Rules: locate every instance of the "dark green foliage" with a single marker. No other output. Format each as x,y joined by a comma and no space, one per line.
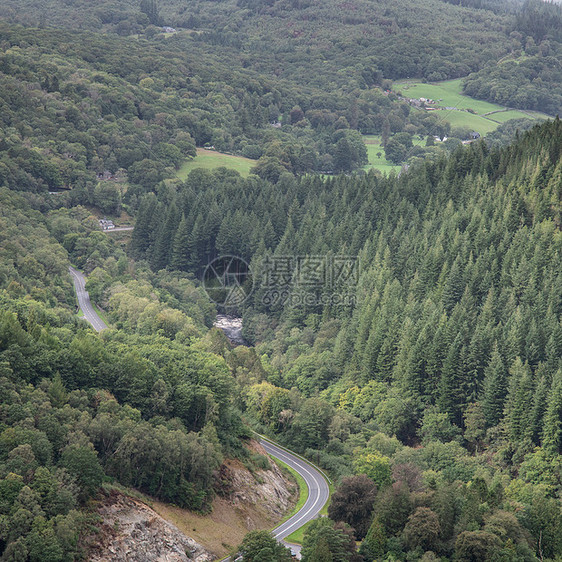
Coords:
496,84
552,424
353,503
495,389
534,81
82,463
324,542
260,546
374,544
450,345
59,436
150,9
473,546
422,529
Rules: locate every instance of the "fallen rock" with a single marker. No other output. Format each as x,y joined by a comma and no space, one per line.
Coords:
131,531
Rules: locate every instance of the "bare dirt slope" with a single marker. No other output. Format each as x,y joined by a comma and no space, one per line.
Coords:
245,501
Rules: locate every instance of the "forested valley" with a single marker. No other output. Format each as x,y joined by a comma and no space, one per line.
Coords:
425,378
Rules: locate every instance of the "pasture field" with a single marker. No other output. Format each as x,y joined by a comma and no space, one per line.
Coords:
446,94
486,116
374,146
210,159
504,116
465,119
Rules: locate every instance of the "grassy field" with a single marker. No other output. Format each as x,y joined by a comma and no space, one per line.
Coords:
504,116
449,94
446,94
210,159
374,146
465,119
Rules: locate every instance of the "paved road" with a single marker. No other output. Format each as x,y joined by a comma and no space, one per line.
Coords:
318,494
84,300
318,488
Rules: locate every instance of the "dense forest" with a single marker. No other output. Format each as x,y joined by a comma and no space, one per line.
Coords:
449,356
78,106
149,405
530,77
309,43
89,104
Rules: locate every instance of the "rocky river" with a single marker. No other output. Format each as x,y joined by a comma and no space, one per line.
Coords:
232,328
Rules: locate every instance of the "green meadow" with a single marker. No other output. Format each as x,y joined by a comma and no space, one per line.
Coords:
446,94
504,116
374,147
469,120
483,116
210,159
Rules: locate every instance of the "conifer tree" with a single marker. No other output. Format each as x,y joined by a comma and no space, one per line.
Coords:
454,286
540,397
163,245
181,258
197,251
518,399
140,239
450,397
374,543
495,388
552,429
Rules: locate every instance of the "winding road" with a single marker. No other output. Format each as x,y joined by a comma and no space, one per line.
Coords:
318,492
84,300
317,483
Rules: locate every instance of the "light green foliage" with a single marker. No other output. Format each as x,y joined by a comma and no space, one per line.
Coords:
375,466
437,427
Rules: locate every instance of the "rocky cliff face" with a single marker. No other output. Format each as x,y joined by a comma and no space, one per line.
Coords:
131,531
246,500
268,492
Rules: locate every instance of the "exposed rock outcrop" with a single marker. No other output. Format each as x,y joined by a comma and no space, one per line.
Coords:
131,531
246,500
269,490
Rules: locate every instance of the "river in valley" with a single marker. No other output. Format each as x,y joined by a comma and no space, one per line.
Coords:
232,328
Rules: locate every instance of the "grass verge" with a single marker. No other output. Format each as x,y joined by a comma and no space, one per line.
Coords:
102,315
303,489
298,535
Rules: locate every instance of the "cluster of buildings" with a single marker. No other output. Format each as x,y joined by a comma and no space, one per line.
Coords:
106,224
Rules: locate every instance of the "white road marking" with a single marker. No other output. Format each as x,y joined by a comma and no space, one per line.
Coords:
90,315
